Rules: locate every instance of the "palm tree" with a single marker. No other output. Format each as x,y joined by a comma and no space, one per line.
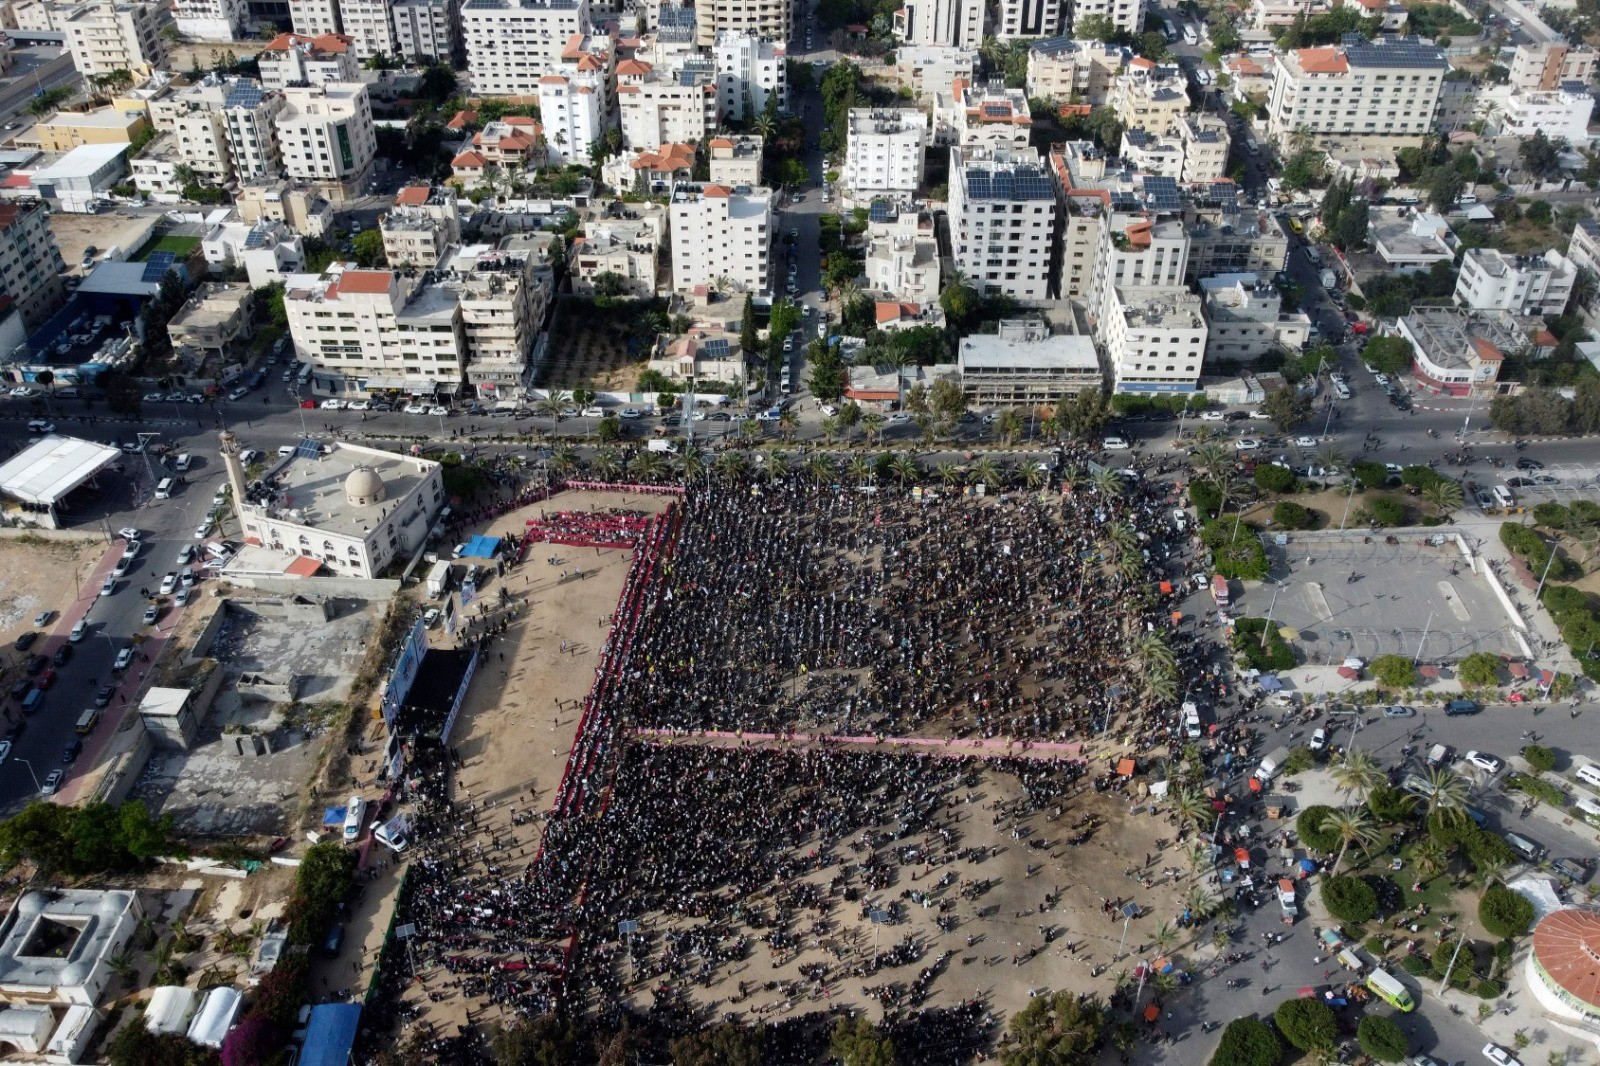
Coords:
122,965
1033,476
1165,936
693,461
1330,458
819,467
1354,827
1107,482
607,464
1160,687
1164,983
1221,939
647,466
985,471
1215,460
862,469
564,462
948,473
905,469
872,425
1192,808
1358,772
1122,537
1431,858
764,125
1490,867
774,462
732,465
1198,901
1444,496
1050,427
1154,650
1009,425
1447,794
1072,476
549,407
830,428
788,424
749,431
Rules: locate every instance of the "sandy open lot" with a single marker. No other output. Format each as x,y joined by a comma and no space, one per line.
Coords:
36,575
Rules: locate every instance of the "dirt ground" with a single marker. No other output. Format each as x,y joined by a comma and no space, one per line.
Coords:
106,230
36,575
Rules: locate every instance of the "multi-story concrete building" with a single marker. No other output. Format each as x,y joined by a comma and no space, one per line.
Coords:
1386,88
1154,338
1519,284
627,251
929,68
884,150
1271,14
666,107
1127,16
290,59
749,71
1002,222
377,330
1138,251
325,134
370,26
654,171
721,235
1584,250
1150,96
249,118
1459,352
1560,114
426,28
770,19
504,294
1227,237
736,160
1068,70
902,255
300,207
30,261
988,116
1024,364
209,20
576,111
117,35
421,227
1546,65
1205,143
65,130
507,146
1149,154
511,45
948,23
222,129
267,251
1241,317
314,18
1016,19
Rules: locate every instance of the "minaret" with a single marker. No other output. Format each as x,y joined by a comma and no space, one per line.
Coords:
235,469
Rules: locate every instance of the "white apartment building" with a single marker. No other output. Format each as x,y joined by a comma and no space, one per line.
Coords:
1584,251
1125,15
1136,252
510,46
736,160
210,20
884,150
290,59
749,70
267,251
1560,114
1149,154
1545,66
425,28
423,225
222,130
949,23
30,261
1267,14
1150,96
665,107
354,326
1154,338
902,256
930,68
575,114
314,18
721,233
370,26
771,19
325,134
985,116
1384,88
117,35
1205,142
1002,222
1024,364
1067,70
249,118
1029,18
1518,284
1241,317
627,250
504,296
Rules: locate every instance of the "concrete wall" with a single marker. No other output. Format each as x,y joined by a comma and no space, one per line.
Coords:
124,769
64,536
360,588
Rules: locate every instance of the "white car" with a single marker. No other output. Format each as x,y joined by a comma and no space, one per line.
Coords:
124,659
186,555
1489,764
1498,1054
592,412
203,530
332,405
109,587
153,397
1191,721
1211,416
1305,442
168,584
822,330
416,408
128,533
630,414
439,410
1319,739
183,597
22,392
829,409
359,405
132,549
52,784
1247,444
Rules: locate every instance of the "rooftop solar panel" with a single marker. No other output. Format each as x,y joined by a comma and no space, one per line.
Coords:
1161,193
881,211
308,449
244,96
1019,183
157,266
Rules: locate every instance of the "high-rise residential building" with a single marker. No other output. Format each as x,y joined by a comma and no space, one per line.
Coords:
1242,315
1151,96
222,130
510,46
1126,16
1029,18
1002,221
951,23
426,28
314,18
1545,66
749,71
249,117
736,160
627,251
1205,142
1561,114
504,295
1490,280
325,134
1154,338
370,26
771,19
209,20
721,235
660,107
573,107
931,68
1384,88
884,150
117,35
290,59
1138,251
982,116
373,329
30,261
1067,70
421,226
902,255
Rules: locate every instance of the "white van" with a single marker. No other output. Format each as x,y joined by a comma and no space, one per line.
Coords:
164,488
1589,809
1340,389
1589,774
1503,496
182,463
1114,444
354,811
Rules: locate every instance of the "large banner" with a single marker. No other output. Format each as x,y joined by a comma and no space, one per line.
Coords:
404,672
461,696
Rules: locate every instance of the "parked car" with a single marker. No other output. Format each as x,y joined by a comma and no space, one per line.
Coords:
124,659
1489,764
52,784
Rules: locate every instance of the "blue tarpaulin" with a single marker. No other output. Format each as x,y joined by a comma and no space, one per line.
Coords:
481,547
333,816
1269,683
330,1034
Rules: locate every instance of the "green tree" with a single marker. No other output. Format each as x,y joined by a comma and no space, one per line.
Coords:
1539,757
1389,355
1358,772
749,335
1270,477
1308,1024
1056,1029
1505,913
1354,826
1394,671
1315,833
1095,28
1349,899
1481,669
369,249
857,1042
1381,1038
1286,408
1247,1042
545,1040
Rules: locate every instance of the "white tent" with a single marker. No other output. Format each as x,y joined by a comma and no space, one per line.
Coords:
215,1017
169,1009
44,472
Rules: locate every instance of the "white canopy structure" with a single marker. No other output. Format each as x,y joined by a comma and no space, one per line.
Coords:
169,1009
45,472
215,1017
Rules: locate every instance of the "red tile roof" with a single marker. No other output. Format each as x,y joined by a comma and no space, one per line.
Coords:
366,282
1323,61
461,120
412,195
469,160
720,192
1487,351
1566,945
303,566
892,310
635,67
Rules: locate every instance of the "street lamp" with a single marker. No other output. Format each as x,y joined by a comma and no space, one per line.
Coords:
31,774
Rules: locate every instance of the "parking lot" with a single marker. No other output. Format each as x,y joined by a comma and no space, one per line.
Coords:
1404,600
1572,482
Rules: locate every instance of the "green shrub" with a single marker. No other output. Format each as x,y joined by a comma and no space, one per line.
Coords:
1481,669
1488,989
1349,899
1290,515
1375,946
1391,805
1299,761
1415,965
1272,478
1394,671
1245,1042
1532,549
1563,599
1236,548
1504,912
1306,1023
1541,758
1313,830
1485,848
1205,498
1381,1038
1387,512
1275,657
1420,477
1368,474
1539,789
1552,515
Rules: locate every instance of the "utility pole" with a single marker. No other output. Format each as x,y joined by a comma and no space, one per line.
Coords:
1445,982
1268,627
1548,563
1423,642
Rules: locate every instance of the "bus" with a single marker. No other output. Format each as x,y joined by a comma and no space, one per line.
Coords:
1383,985
1172,31
1190,36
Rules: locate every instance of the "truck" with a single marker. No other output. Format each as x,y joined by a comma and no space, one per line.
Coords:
1271,763
1286,900
1219,590
1330,280
439,580
657,444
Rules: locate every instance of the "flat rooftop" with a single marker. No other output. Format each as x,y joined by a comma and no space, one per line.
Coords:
1061,352
311,490
54,939
1448,335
